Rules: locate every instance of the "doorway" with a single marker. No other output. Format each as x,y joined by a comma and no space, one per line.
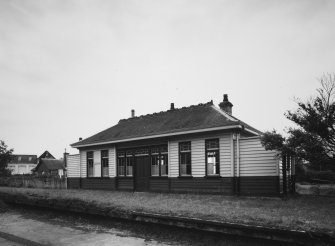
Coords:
142,173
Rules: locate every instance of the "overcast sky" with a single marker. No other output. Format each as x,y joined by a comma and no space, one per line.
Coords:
70,69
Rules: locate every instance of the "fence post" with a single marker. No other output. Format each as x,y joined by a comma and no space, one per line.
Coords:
288,172
293,174
284,175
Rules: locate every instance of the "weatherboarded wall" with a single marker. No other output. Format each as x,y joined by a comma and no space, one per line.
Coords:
258,168
198,155
73,166
97,161
255,160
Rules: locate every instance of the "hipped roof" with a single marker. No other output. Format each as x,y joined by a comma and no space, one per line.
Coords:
174,122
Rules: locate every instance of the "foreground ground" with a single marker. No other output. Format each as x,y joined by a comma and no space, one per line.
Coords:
50,227
300,213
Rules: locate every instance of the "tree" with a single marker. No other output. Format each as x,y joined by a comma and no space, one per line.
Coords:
314,139
5,158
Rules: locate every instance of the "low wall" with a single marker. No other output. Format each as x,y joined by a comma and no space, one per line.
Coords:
261,185
315,189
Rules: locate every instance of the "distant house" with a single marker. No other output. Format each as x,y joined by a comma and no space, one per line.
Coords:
46,155
50,167
23,164
200,148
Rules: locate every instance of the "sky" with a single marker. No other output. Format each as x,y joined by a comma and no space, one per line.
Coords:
72,68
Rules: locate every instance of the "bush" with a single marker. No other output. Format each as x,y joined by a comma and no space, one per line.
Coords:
312,176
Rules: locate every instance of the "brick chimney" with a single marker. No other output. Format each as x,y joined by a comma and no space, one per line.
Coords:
225,105
65,156
132,113
172,106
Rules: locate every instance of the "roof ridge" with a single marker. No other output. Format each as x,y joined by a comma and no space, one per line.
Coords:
210,103
23,155
225,114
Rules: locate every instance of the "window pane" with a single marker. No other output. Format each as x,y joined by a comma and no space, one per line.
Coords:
185,146
188,158
155,150
142,152
212,144
155,165
104,162
90,167
188,169
104,153
164,165
120,169
129,167
120,153
164,149
90,154
105,172
183,169
185,163
90,171
212,162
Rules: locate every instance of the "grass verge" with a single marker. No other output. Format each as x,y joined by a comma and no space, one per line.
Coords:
297,213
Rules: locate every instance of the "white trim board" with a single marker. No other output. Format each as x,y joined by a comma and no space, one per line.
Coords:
159,135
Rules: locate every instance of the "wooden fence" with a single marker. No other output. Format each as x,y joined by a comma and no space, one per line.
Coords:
287,174
30,181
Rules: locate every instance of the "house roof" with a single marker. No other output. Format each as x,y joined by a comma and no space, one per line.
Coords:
172,122
24,159
50,164
46,154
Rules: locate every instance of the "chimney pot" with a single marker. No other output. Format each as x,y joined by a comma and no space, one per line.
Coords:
225,105
225,98
172,106
80,139
132,113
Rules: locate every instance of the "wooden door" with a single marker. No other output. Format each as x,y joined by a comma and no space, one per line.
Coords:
142,164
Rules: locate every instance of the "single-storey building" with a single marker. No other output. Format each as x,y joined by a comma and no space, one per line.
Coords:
200,148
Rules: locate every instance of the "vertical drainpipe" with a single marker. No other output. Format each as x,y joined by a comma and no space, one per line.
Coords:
169,164
80,153
238,163
232,168
115,168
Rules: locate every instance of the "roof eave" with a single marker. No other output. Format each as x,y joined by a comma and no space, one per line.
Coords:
78,145
253,132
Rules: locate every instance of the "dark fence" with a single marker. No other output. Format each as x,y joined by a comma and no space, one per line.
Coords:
30,181
287,174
